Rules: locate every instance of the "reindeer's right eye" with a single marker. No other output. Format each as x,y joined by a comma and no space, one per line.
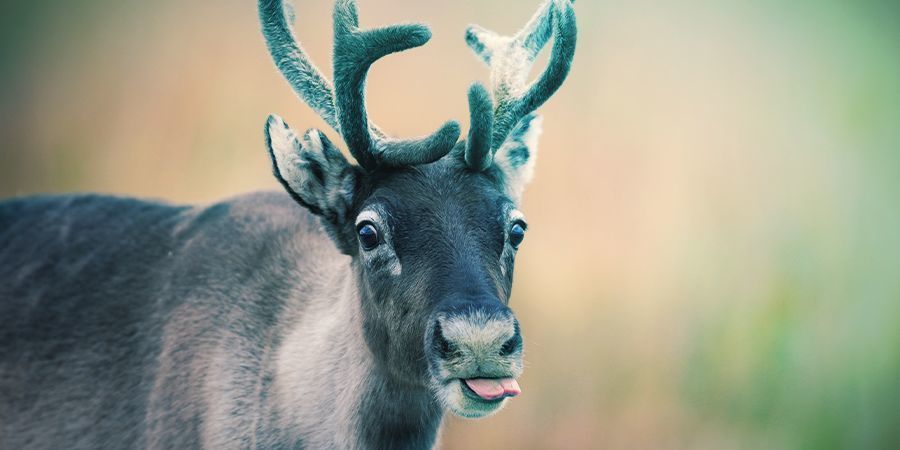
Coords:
516,234
368,236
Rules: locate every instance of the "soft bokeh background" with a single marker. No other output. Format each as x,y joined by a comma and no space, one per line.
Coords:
714,252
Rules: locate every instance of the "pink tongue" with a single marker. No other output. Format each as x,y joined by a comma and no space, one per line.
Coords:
494,388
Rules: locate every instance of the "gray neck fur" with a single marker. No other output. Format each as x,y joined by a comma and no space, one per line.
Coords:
330,392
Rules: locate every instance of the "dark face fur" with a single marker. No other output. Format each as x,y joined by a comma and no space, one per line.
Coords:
443,257
433,248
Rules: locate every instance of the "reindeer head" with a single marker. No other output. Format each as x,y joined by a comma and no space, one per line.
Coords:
431,224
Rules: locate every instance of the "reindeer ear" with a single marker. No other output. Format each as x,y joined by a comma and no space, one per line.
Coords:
516,157
313,171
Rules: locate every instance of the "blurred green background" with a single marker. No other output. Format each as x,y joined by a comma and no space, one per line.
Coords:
714,252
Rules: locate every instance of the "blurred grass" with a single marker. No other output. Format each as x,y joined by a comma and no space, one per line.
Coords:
713,254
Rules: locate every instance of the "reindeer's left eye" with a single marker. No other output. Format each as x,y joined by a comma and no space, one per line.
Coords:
516,234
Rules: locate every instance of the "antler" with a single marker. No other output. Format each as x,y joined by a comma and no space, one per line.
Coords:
343,106
510,58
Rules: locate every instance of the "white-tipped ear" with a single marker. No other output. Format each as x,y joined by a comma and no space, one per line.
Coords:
518,154
284,148
313,171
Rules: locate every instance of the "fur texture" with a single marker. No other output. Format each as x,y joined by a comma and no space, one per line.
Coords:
261,321
343,106
316,174
518,155
135,324
510,59
229,325
479,155
290,58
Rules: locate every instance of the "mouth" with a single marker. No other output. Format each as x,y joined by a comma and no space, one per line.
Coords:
474,398
491,390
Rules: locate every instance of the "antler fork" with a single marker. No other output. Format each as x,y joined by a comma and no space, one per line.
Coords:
510,58
343,106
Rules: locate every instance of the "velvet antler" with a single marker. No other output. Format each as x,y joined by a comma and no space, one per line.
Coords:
343,106
510,59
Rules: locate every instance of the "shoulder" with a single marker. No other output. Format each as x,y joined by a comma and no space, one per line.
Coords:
256,212
80,204
81,216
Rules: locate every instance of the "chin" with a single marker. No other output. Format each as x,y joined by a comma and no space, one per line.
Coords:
455,399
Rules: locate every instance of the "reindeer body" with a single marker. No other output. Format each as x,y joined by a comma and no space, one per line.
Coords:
350,313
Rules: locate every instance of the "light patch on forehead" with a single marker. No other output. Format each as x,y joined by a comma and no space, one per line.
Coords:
515,215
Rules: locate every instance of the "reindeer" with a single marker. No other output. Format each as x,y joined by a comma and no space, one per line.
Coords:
353,321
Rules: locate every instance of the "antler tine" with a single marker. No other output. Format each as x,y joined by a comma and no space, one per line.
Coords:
481,120
343,106
509,59
355,51
294,64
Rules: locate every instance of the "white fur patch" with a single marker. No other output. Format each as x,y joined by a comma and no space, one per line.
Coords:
509,67
518,176
477,331
286,149
368,215
321,370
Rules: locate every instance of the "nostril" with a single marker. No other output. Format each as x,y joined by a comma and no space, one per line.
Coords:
444,348
510,346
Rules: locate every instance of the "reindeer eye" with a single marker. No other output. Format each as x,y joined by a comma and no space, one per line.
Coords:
368,236
516,234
